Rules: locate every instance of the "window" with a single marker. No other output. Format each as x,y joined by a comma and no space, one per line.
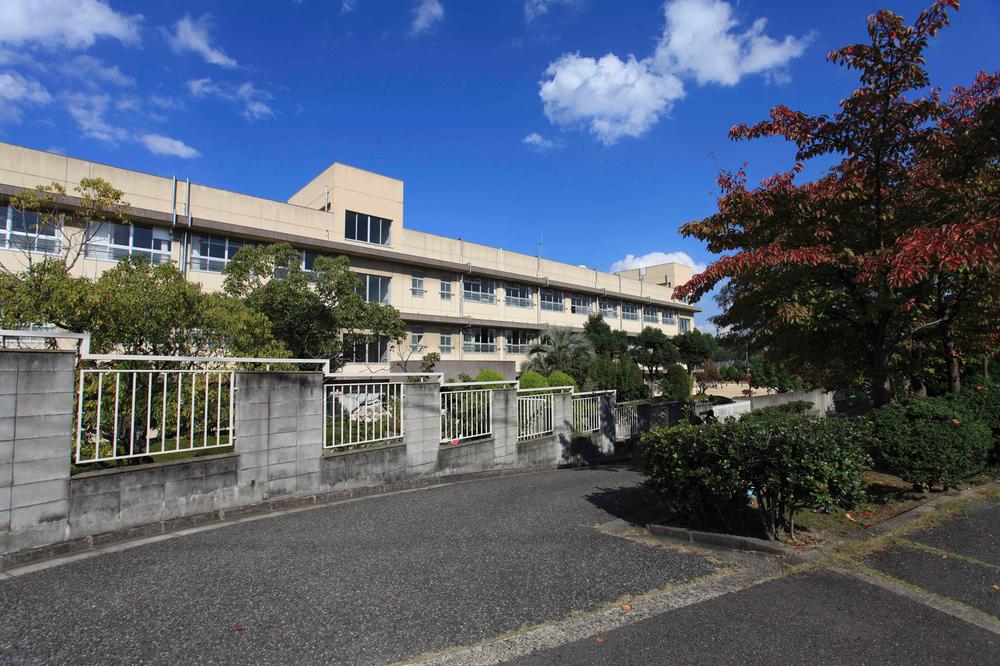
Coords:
479,340
417,285
29,232
649,314
367,228
518,341
111,241
608,308
445,343
417,340
357,350
630,311
480,290
374,288
518,295
580,305
446,290
685,325
309,260
669,316
211,253
551,299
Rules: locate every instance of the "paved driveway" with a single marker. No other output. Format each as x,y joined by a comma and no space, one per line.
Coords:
371,581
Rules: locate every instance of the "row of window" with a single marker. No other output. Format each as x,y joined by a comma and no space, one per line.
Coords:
27,232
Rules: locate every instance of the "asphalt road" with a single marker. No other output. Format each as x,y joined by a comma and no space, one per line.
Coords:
371,581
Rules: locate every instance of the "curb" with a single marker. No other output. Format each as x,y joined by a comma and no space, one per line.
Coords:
728,541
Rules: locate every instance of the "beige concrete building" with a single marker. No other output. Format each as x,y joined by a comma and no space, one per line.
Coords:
478,306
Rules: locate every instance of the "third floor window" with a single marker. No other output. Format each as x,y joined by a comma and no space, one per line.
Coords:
480,290
112,241
367,228
374,288
551,299
518,295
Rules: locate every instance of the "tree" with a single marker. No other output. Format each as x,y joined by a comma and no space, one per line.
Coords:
709,375
311,313
605,342
653,350
695,348
677,383
840,272
558,348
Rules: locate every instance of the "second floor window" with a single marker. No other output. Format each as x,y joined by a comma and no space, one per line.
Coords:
28,232
669,316
479,340
480,290
608,308
518,295
417,285
359,351
519,341
550,299
649,314
417,340
367,228
445,290
630,311
580,305
685,325
112,241
374,288
446,343
210,254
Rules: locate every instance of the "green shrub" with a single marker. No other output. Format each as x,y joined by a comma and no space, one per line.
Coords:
793,407
788,462
982,403
559,378
532,380
488,375
677,384
927,442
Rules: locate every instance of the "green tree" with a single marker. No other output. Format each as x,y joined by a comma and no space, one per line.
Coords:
558,348
695,348
605,341
653,350
310,312
676,385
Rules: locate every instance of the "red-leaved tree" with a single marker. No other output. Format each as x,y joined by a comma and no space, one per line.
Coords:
897,242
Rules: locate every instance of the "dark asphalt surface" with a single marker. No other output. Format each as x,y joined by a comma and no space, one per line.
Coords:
369,581
813,618
973,532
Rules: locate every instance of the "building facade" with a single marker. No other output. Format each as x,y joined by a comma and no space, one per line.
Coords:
477,306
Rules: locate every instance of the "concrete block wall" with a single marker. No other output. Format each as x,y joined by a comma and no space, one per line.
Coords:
36,435
505,428
422,427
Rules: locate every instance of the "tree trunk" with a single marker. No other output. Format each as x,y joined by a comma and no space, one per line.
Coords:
951,359
881,388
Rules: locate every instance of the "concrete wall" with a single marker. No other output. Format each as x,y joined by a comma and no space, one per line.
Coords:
822,400
279,457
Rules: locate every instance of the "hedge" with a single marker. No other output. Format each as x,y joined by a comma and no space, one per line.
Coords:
532,380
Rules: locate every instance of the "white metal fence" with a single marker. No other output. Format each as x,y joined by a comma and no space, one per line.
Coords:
357,414
626,420
467,410
138,413
587,411
534,415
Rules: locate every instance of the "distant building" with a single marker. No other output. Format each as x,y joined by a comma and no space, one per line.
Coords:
477,306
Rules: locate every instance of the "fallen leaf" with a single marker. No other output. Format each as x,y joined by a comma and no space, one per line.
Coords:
599,640
236,628
626,607
996,587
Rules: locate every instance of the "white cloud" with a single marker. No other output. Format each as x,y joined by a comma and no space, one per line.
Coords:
17,91
192,36
88,110
614,98
254,100
654,259
539,142
701,40
618,98
165,146
426,15
347,6
72,24
85,67
534,9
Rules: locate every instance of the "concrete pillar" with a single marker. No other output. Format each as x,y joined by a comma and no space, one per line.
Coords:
505,428
422,427
605,436
279,433
562,426
37,399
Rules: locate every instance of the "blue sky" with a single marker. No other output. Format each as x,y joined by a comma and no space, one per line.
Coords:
599,124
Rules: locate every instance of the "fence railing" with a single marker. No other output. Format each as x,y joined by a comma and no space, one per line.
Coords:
125,414
362,413
467,410
587,410
534,416
626,421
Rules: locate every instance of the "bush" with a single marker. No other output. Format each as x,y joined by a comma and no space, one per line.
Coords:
677,384
927,442
532,380
488,375
788,462
559,378
982,403
793,407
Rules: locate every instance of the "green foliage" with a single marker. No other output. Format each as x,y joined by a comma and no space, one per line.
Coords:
677,384
731,373
532,380
429,362
925,441
489,375
788,462
559,378
653,351
793,407
559,348
309,311
608,343
695,348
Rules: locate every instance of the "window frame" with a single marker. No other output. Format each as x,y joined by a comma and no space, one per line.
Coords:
518,301
33,239
553,304
526,337
482,295
95,245
417,334
416,290
479,340
445,348
208,259
371,222
446,294
366,280
604,311
631,311
576,309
